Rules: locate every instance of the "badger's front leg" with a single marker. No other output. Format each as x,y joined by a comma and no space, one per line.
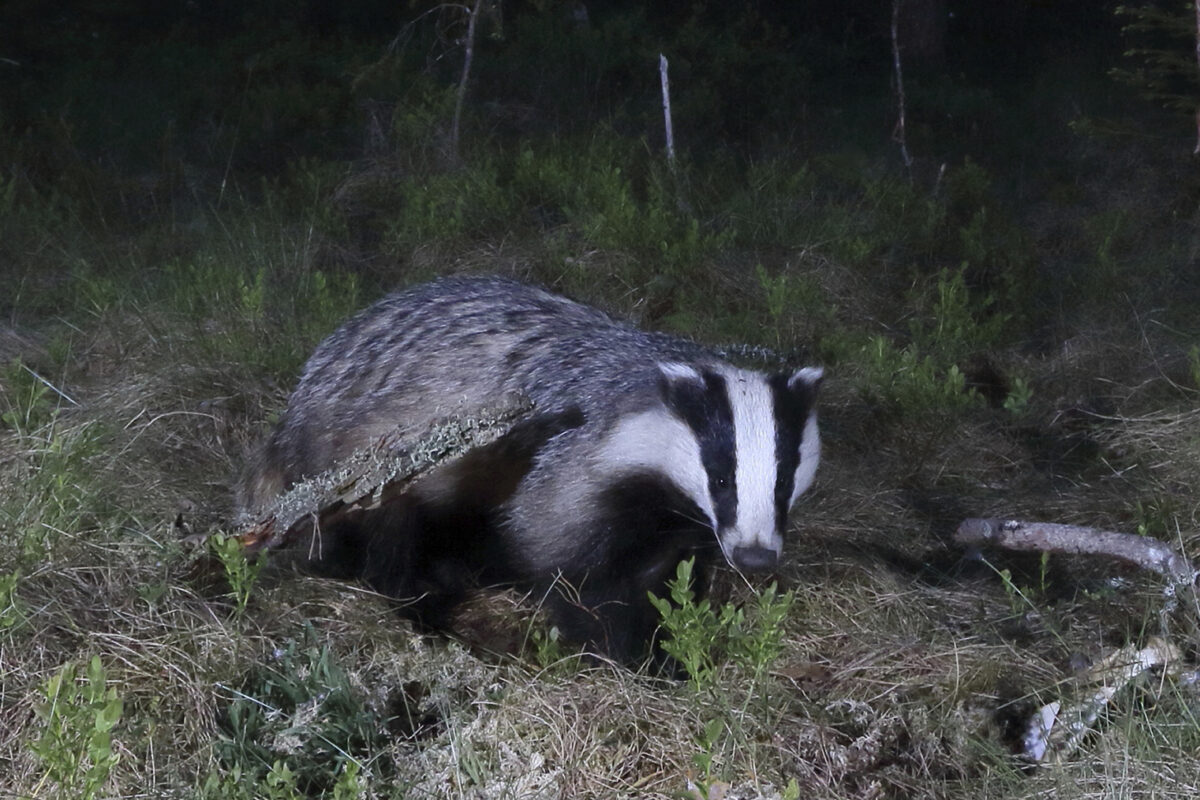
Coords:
609,611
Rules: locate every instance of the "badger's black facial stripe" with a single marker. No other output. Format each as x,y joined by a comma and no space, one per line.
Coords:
792,406
704,407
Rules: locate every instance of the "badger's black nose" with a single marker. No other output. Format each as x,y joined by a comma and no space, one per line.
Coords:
754,558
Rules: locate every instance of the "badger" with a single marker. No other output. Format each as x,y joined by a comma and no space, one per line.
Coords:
643,449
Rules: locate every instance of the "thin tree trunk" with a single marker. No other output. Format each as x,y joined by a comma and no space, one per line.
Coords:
899,134
1197,4
666,101
462,83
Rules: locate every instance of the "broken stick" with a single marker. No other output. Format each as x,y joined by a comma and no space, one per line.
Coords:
1050,537
1055,732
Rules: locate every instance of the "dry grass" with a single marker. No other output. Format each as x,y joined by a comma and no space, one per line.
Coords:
907,672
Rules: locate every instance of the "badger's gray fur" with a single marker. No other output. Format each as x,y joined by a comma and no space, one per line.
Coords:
644,449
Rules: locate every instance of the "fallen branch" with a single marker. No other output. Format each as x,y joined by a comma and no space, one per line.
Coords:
382,471
1055,733
1049,537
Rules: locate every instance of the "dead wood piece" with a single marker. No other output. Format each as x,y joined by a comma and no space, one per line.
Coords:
1050,537
382,471
1055,732
1058,729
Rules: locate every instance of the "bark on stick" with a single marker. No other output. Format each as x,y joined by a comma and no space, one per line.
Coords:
1050,537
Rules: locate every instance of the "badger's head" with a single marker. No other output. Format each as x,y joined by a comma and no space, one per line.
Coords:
755,451
740,445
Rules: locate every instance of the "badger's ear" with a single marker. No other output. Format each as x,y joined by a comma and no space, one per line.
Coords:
679,383
675,373
804,383
807,379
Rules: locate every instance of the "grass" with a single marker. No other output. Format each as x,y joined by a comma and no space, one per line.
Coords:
143,361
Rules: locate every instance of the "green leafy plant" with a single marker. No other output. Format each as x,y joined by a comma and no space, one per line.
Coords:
1020,599
794,303
281,783
28,403
700,636
230,785
548,645
1163,37
61,491
704,757
598,191
1156,516
252,290
240,570
1017,402
757,642
298,718
451,205
11,611
78,717
776,289
914,384
350,785
956,324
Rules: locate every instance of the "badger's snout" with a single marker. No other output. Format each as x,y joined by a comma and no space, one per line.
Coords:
753,558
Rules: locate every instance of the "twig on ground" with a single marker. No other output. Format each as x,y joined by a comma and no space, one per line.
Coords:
1055,733
1050,537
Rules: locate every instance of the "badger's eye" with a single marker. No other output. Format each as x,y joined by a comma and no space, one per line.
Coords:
722,483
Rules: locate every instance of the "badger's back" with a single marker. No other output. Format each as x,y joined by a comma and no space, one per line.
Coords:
453,347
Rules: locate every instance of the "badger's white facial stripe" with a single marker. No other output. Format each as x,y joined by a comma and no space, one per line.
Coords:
754,425
656,441
741,445
810,457
752,402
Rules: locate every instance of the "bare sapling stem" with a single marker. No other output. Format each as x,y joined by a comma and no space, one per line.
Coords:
1196,151
666,101
899,135
461,94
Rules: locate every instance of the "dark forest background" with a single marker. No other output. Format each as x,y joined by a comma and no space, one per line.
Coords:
140,82
1027,113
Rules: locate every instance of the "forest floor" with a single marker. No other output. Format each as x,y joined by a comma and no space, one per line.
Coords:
150,339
